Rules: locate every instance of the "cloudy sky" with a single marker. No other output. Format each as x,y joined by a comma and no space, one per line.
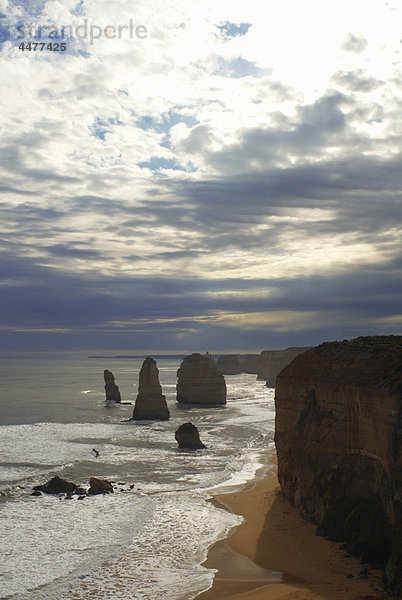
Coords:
231,181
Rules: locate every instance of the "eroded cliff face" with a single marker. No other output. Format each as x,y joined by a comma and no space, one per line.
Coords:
265,365
230,364
339,445
273,361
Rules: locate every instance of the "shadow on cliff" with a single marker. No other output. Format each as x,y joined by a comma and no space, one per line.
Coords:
289,544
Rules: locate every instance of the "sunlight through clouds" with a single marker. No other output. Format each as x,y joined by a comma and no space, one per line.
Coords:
230,144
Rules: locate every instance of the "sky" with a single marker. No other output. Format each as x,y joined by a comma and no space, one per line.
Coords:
200,174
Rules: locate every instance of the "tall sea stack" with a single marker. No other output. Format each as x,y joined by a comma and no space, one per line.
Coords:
111,389
150,403
339,443
200,381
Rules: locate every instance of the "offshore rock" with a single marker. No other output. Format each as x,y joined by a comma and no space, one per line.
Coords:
187,436
200,381
111,389
99,486
57,485
150,403
339,444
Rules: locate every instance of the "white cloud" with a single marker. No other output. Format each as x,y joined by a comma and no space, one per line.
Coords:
288,93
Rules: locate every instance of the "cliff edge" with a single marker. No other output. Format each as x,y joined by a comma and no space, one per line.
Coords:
339,444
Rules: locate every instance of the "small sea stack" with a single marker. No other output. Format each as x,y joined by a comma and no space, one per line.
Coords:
99,486
150,403
111,389
187,436
200,381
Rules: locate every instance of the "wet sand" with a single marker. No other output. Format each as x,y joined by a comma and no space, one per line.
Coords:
275,555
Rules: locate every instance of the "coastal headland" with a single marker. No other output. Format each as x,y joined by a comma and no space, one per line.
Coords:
338,441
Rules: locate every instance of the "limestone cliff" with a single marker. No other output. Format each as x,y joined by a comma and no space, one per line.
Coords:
150,403
273,361
339,444
265,365
229,364
111,389
251,363
200,381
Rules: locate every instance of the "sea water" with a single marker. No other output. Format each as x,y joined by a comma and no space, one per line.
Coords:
147,540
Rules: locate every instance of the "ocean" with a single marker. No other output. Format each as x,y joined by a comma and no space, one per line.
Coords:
147,540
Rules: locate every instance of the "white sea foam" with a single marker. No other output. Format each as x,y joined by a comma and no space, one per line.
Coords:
142,544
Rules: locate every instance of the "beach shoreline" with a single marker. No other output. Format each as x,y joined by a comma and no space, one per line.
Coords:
275,555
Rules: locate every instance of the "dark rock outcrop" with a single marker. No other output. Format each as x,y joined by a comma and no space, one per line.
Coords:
111,389
200,381
99,486
150,403
57,485
339,444
187,436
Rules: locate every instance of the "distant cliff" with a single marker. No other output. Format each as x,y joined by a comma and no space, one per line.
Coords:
273,361
230,364
339,445
265,365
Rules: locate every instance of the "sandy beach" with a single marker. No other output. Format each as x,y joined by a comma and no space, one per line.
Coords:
275,555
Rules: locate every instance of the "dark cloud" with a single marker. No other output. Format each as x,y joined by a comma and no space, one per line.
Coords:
13,158
100,312
175,224
363,193
318,126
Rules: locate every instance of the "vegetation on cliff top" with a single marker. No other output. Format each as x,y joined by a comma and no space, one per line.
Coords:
371,360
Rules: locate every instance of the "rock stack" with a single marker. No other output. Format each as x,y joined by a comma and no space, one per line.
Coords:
200,381
111,389
150,403
187,436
